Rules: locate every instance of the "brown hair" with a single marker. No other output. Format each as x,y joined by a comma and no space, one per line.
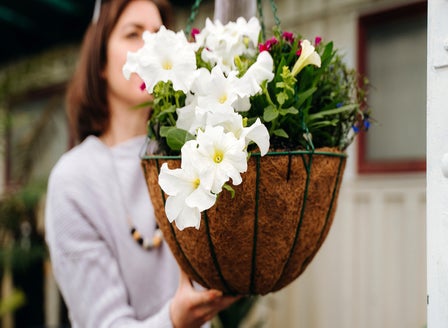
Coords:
87,107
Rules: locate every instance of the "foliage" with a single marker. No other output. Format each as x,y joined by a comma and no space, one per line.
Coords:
321,106
19,244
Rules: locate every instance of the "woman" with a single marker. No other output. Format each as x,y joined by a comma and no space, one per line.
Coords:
108,276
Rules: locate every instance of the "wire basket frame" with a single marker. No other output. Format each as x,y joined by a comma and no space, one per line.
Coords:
262,239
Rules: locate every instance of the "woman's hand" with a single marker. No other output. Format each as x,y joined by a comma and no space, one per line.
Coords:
191,308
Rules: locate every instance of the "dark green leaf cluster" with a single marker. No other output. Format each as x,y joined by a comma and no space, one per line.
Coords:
319,107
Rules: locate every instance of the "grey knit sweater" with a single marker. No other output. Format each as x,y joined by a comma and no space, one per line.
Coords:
106,278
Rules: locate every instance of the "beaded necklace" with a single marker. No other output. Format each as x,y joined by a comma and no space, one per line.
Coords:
146,243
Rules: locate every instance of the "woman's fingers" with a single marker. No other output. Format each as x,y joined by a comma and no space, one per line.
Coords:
191,307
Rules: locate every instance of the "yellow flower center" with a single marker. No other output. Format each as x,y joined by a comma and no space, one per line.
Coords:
222,99
246,41
167,65
196,183
218,157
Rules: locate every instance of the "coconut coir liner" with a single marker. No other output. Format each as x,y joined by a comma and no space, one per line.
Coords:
264,238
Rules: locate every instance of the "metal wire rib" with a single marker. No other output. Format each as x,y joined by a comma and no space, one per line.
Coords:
228,290
254,243
333,197
307,167
279,153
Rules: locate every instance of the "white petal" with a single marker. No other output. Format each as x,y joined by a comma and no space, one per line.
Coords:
175,181
174,206
189,217
260,71
259,134
201,198
307,57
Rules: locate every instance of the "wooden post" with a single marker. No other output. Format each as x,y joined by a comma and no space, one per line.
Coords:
230,10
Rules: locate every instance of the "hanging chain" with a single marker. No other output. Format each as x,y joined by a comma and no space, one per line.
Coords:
260,16
193,14
197,3
274,12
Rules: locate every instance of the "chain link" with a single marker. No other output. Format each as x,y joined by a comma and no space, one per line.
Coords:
197,3
193,14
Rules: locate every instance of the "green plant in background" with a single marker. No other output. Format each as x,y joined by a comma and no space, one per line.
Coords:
22,246
13,302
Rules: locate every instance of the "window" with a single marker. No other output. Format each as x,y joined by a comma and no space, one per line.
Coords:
392,54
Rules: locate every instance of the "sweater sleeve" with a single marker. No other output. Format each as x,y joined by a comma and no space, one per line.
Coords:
86,271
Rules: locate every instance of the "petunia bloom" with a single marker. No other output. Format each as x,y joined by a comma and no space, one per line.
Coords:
308,56
165,56
222,43
223,157
187,196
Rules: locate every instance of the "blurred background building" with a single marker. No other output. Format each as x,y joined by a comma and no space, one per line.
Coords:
371,270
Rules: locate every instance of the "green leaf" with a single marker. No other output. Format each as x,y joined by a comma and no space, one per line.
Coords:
176,138
280,133
270,113
281,98
229,189
167,109
327,55
164,130
290,110
322,124
303,96
334,111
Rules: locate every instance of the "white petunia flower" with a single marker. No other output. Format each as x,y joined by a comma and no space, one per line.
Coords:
223,157
190,118
307,57
261,70
222,43
187,195
217,92
165,56
257,132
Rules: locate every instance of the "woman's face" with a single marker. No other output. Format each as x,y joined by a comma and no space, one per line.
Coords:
138,16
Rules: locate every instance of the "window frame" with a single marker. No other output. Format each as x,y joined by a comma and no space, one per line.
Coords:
365,23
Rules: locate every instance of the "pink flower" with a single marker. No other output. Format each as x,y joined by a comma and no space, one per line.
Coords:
143,86
267,45
194,32
299,51
288,36
317,40
262,47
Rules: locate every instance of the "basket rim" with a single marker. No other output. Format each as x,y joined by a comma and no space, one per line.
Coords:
270,153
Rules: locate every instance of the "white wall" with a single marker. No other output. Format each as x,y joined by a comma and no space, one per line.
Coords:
437,185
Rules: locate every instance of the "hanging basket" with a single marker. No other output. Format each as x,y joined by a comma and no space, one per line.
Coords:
262,239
